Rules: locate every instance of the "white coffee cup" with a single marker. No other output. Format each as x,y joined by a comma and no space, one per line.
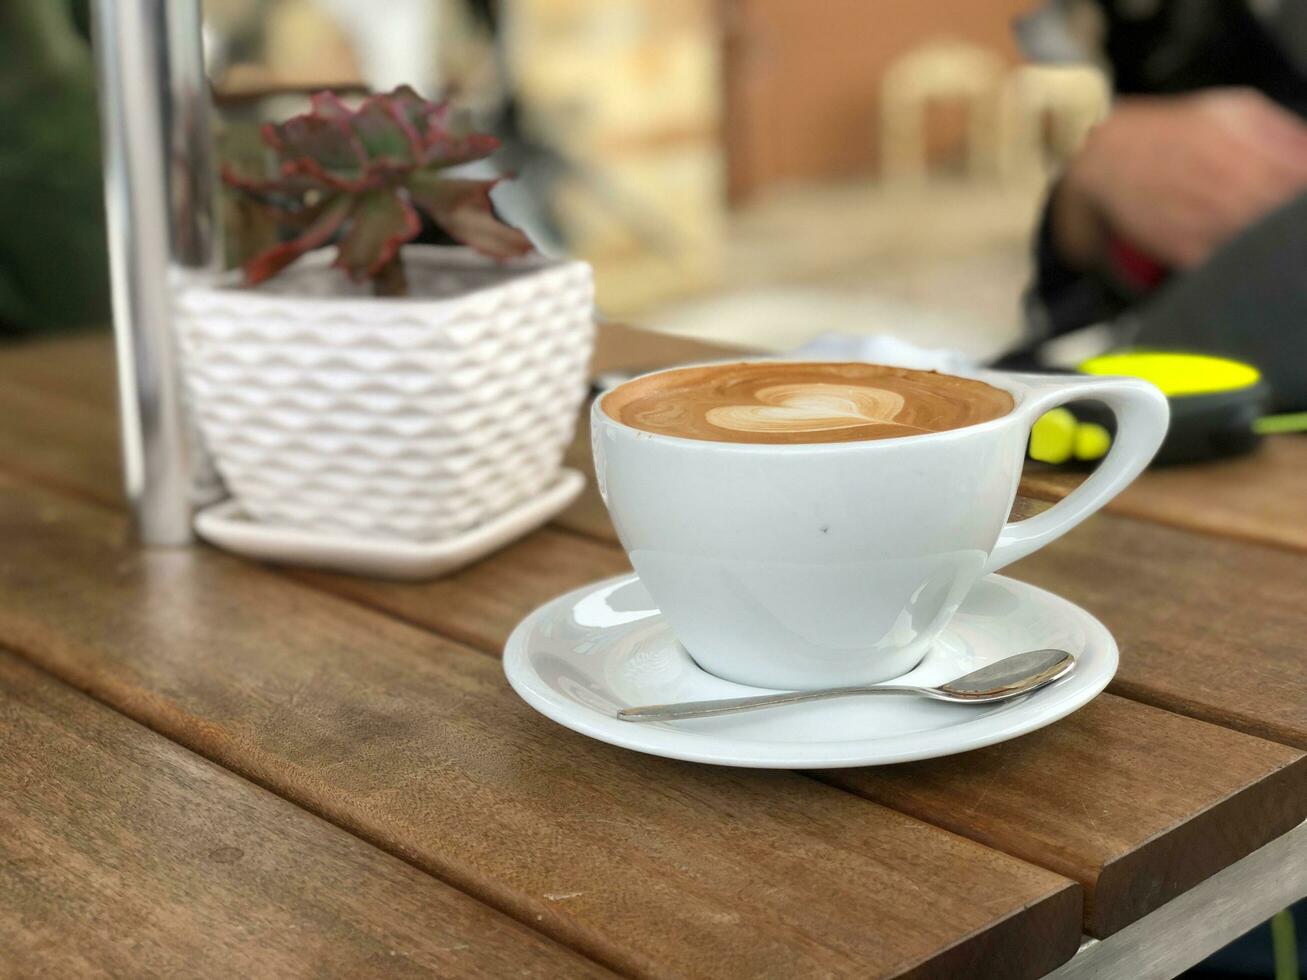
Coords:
822,564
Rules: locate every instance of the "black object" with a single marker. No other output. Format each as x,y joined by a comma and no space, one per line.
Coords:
1202,427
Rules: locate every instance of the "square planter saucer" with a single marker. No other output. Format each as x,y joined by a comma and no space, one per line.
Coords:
226,526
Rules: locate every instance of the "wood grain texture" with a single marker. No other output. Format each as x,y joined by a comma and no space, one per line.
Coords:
622,348
647,865
1261,497
1050,483
481,604
76,366
1136,804
123,854
59,442
1208,627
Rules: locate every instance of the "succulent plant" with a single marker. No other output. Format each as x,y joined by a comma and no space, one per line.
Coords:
360,176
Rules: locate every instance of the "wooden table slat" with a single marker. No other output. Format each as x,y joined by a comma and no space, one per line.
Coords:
647,865
77,367
1261,497
59,443
1136,804
630,349
480,605
123,854
1208,627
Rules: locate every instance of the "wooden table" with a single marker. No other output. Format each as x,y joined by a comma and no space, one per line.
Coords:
212,766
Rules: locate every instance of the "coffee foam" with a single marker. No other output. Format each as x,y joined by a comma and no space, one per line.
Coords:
797,402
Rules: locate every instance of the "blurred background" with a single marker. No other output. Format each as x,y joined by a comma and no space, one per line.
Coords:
750,171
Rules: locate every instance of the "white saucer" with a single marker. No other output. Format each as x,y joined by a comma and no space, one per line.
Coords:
226,526
581,657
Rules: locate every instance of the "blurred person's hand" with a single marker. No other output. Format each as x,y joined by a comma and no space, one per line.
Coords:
1178,176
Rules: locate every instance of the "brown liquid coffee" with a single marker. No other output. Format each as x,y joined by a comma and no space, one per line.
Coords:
798,402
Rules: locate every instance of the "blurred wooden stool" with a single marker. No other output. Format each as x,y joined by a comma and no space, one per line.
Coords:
1047,111
940,71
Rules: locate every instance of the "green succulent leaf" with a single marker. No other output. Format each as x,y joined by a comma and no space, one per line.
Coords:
329,142
328,105
379,224
275,190
414,108
322,227
463,208
386,133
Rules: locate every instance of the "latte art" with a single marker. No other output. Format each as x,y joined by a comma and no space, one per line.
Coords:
794,402
810,408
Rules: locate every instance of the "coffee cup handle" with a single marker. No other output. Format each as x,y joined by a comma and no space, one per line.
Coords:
1142,415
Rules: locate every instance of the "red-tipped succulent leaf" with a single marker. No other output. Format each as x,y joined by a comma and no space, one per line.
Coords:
359,175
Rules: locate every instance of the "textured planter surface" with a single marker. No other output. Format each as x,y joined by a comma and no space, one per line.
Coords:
413,418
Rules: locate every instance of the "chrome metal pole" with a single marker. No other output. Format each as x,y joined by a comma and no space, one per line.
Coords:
159,184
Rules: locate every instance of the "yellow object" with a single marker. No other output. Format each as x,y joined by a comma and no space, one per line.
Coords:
1177,374
1092,441
1052,438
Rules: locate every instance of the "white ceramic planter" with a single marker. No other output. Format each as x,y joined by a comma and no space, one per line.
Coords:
416,418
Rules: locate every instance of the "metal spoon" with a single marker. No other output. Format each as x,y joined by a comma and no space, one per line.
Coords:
1001,680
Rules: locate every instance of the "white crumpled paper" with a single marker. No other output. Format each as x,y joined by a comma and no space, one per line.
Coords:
884,349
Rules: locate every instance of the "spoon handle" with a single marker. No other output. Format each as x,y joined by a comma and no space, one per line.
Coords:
729,706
